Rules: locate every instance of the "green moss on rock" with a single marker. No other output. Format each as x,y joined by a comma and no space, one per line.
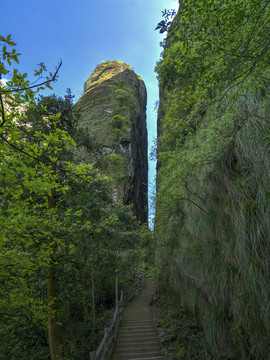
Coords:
113,110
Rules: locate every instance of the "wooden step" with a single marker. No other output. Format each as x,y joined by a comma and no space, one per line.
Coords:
136,339
137,355
131,348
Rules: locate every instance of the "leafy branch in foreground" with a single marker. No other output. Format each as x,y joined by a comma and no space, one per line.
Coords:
59,225
165,24
18,90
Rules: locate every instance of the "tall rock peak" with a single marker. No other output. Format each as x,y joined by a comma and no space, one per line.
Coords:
113,110
105,71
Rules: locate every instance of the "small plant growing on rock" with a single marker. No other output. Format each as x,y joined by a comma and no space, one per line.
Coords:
118,121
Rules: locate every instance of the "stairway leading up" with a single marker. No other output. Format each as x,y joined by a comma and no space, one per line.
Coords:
137,338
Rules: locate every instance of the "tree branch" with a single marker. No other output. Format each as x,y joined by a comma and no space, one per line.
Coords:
2,109
42,161
37,85
13,315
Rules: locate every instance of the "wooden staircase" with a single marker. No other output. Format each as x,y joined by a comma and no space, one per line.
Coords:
137,337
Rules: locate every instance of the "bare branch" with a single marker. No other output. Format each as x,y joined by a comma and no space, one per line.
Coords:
194,204
2,109
13,315
37,85
2,104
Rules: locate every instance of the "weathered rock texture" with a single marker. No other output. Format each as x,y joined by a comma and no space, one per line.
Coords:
113,110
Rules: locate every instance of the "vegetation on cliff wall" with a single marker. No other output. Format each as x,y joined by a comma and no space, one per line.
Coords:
212,212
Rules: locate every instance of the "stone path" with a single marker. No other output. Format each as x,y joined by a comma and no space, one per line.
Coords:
137,337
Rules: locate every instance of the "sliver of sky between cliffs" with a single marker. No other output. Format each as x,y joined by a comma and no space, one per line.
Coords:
84,33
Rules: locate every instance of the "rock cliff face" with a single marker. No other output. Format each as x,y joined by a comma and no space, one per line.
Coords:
113,110
213,188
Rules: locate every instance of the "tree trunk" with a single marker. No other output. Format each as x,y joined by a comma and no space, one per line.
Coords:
93,301
116,288
54,342
93,292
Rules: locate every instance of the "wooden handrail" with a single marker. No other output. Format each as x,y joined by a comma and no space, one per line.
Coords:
106,346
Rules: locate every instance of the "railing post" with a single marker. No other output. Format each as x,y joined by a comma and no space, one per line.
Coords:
121,296
116,288
107,344
106,332
93,355
121,305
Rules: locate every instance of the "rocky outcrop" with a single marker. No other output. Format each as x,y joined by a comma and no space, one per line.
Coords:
113,111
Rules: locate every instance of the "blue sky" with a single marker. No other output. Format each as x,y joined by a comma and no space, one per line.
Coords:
85,32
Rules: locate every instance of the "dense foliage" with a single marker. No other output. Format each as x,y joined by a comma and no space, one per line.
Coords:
212,221
62,234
